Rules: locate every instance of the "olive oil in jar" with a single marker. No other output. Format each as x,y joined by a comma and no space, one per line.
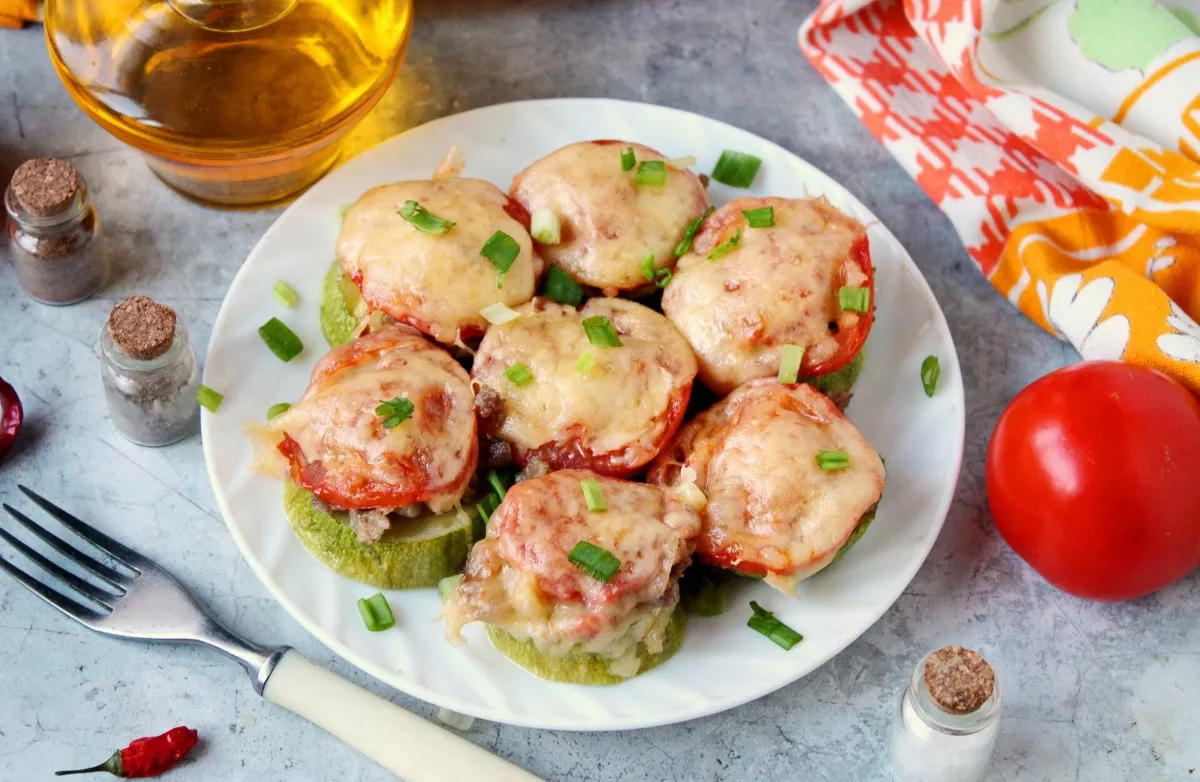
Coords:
233,101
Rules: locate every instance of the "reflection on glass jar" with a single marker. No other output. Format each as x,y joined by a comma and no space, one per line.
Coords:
235,102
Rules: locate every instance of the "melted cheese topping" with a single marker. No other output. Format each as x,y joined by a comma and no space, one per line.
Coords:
609,224
519,578
621,412
436,283
778,286
349,459
770,506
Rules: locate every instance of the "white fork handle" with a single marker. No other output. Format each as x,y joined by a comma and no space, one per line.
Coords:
398,740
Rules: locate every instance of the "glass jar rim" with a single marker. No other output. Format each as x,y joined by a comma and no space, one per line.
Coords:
75,210
123,361
943,721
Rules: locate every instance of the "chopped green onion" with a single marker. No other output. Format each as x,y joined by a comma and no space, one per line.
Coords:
593,495
648,267
424,220
278,409
284,294
487,506
685,243
687,161
560,287
210,399
736,169
763,217
764,622
498,483
930,372
721,250
664,278
585,363
376,613
854,299
789,363
518,374
545,227
282,341
395,412
595,561
501,249
600,332
833,460
446,586
627,159
499,313
652,173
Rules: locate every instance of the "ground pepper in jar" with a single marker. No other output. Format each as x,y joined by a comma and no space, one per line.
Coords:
149,372
54,232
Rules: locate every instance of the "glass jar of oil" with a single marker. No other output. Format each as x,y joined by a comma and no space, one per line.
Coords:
234,102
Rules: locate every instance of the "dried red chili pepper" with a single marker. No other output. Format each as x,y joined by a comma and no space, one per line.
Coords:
146,757
10,416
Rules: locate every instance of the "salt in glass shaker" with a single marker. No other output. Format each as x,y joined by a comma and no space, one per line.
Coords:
150,373
945,726
54,232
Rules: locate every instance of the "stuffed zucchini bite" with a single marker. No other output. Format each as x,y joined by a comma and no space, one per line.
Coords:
767,273
377,455
790,482
577,578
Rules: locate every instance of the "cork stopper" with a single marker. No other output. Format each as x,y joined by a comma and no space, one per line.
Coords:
45,186
142,328
959,680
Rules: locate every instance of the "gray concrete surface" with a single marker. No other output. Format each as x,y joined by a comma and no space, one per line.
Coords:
1094,692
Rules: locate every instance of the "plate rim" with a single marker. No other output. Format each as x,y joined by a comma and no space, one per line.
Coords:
394,678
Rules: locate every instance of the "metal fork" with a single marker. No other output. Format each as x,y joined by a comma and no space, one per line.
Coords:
135,598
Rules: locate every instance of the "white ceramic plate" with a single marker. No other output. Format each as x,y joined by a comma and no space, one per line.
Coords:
722,663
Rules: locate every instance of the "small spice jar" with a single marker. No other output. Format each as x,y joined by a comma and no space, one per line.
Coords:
54,232
150,373
945,725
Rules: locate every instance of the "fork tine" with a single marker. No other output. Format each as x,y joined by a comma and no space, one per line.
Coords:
64,604
71,580
98,569
126,556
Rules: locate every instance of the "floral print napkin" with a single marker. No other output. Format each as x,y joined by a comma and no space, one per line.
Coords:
1061,138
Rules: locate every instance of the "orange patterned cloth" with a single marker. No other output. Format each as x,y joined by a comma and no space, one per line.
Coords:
15,13
1062,139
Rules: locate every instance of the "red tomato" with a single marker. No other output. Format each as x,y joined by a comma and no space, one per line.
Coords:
1093,477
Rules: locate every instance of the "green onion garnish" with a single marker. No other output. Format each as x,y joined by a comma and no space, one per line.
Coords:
833,460
545,227
789,363
497,483
627,159
499,313
518,374
501,249
764,622
763,217
648,267
595,561
736,169
376,613
487,506
278,409
585,363
685,243
600,332
282,341
854,299
210,399
652,173
424,220
395,412
284,294
664,278
593,495
560,287
721,250
930,372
